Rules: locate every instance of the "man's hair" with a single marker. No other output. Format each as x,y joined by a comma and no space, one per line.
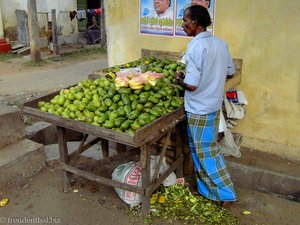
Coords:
170,3
199,14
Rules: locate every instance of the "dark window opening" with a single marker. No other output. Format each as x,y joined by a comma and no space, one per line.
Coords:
92,4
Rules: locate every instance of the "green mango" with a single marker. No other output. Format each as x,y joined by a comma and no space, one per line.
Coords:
108,124
144,116
133,114
125,125
121,111
148,105
153,99
130,132
147,86
127,109
116,98
124,90
119,121
173,66
102,118
113,115
125,98
135,125
155,112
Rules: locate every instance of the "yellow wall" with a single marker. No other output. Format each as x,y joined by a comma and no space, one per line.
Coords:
265,34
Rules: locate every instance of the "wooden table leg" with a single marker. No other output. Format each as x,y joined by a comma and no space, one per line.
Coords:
120,148
104,147
145,163
64,157
178,148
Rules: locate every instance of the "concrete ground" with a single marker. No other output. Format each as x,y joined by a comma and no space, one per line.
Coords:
19,82
92,204
40,197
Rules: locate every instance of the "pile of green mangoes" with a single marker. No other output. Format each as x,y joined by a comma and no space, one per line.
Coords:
99,103
165,66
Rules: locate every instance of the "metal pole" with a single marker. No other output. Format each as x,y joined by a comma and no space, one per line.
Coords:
33,31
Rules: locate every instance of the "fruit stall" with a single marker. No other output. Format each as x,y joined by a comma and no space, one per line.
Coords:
136,105
135,113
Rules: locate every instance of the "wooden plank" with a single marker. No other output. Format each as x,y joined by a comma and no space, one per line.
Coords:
90,144
120,148
162,154
104,147
188,164
83,147
233,82
162,54
152,130
80,126
238,63
79,150
145,164
155,184
230,83
178,148
142,135
102,180
110,159
178,55
63,156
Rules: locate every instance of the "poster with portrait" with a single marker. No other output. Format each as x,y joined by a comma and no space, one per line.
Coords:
181,5
157,17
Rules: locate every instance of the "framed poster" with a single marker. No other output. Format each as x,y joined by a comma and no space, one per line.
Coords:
157,17
164,17
181,5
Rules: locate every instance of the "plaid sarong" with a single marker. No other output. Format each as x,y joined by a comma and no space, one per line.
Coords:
212,178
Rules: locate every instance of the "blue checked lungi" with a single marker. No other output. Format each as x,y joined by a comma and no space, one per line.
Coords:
212,178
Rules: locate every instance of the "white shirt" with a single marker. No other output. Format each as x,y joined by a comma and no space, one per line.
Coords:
208,62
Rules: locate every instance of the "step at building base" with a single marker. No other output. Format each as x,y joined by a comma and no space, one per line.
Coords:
19,161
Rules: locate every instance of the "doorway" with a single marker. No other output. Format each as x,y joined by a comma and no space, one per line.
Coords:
88,6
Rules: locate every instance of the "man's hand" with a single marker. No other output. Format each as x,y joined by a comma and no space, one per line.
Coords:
180,75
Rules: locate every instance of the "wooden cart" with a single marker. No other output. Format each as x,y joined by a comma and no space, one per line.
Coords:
141,142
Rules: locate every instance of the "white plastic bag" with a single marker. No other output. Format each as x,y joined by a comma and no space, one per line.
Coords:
222,124
131,173
171,179
230,146
128,173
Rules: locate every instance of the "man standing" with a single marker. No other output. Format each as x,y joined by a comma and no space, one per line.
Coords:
208,62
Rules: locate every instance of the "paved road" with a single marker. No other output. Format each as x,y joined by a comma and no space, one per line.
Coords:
47,80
